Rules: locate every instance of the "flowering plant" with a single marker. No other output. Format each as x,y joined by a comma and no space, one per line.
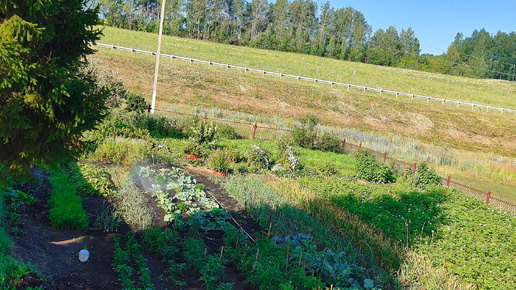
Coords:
219,161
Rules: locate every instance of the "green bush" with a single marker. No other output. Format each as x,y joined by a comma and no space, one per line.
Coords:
123,151
92,180
135,103
326,168
258,158
328,142
305,134
191,147
218,161
203,132
11,272
227,132
426,177
369,169
160,127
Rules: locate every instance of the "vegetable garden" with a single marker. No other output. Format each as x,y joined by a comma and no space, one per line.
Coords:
323,218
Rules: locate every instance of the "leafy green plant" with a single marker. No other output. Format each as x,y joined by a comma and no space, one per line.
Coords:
135,103
92,180
258,158
123,151
203,132
66,211
107,220
227,132
192,147
426,177
368,168
305,133
219,161
328,141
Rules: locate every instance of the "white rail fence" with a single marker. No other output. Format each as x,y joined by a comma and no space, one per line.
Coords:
315,80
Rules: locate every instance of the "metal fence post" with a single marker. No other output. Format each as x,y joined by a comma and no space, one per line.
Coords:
414,168
448,181
384,157
488,197
344,142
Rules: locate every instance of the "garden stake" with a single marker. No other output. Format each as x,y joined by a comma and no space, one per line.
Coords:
286,261
205,251
221,252
269,232
299,263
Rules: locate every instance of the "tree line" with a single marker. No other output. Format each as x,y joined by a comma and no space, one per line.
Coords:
302,26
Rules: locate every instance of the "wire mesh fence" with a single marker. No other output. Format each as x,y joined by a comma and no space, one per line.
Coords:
249,130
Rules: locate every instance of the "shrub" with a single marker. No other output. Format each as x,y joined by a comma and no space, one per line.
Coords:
219,161
191,147
258,158
92,180
203,132
228,132
326,168
160,127
117,124
236,155
124,151
369,169
135,103
426,177
305,134
328,142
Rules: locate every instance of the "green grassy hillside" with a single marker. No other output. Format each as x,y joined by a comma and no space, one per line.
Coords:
487,92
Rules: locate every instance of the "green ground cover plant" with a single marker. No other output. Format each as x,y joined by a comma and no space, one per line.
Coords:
66,211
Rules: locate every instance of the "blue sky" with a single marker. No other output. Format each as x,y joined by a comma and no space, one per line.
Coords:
436,22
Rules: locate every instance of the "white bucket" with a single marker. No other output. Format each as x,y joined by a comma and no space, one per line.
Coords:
84,255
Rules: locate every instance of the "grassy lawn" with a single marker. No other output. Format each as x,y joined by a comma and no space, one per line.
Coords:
487,92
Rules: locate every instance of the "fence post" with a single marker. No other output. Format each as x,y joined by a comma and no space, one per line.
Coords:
414,168
254,131
488,197
205,116
360,146
384,157
448,181
344,142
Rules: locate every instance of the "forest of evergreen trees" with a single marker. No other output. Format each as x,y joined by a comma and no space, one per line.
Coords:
301,26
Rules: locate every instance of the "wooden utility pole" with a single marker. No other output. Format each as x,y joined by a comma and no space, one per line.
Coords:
156,69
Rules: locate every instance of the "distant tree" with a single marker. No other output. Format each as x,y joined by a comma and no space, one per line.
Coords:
47,97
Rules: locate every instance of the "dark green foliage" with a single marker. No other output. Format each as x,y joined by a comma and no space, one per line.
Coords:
47,96
305,133
326,168
426,177
369,169
328,142
227,132
160,127
135,103
92,180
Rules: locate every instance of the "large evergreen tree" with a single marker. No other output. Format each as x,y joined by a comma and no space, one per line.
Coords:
47,97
